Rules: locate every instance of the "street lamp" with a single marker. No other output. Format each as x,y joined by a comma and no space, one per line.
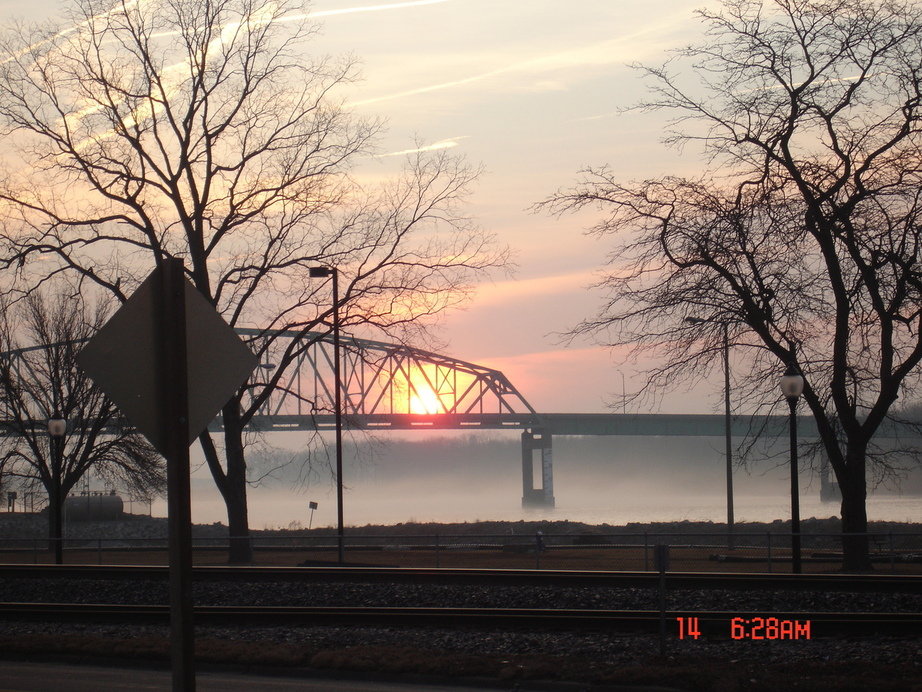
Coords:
320,273
57,427
792,386
727,436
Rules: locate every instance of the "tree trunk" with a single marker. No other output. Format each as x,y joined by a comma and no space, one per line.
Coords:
854,512
235,491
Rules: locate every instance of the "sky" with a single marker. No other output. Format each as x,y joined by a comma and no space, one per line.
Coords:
533,91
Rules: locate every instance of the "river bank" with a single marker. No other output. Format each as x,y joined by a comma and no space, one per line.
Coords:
27,526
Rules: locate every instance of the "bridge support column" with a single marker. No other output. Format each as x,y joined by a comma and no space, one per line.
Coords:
829,490
537,440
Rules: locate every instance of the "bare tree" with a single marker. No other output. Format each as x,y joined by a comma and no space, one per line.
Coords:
802,235
40,380
202,129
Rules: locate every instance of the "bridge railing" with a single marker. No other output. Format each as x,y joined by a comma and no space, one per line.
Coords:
894,552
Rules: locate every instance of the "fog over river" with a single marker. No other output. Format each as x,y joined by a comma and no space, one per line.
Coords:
469,477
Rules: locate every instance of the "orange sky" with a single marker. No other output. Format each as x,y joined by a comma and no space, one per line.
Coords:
532,90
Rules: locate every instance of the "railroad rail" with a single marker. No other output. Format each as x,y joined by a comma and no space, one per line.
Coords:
885,583
811,625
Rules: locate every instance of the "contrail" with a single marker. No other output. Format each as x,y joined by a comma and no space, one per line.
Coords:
435,146
330,13
287,18
570,58
366,8
71,29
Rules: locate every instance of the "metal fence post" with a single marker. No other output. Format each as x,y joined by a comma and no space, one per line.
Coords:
646,555
892,554
98,551
437,552
769,544
539,544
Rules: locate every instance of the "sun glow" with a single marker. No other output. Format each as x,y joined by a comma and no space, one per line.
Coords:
422,390
425,401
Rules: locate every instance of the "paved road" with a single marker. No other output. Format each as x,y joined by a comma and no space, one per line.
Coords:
43,677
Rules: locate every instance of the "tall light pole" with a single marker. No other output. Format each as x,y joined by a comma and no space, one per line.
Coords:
319,273
57,427
727,422
792,386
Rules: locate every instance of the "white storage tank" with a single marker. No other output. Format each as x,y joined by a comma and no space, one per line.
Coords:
94,507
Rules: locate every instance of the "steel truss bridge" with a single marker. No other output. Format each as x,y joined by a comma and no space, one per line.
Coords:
387,386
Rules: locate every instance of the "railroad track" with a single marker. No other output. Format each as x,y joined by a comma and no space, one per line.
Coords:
802,625
884,583
710,623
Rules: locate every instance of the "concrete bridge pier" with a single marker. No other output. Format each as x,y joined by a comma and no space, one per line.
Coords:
829,489
540,441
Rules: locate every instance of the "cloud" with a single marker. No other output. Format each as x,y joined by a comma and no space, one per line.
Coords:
541,86
435,146
601,116
371,8
504,292
619,50
332,13
118,7
175,75
538,376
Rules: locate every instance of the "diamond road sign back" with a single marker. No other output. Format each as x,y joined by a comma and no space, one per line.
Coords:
122,360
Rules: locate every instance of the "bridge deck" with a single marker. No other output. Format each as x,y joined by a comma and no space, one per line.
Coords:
687,425
640,424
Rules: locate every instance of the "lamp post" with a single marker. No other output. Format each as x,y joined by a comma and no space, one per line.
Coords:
57,427
319,273
727,436
792,386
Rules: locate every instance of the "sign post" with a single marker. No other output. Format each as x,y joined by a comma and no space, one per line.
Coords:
170,363
175,397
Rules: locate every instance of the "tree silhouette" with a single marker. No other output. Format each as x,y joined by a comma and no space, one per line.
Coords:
203,129
802,234
39,380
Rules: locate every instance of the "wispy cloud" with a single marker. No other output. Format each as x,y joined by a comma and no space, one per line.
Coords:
619,50
541,86
601,116
301,16
435,146
365,8
118,7
175,75
503,292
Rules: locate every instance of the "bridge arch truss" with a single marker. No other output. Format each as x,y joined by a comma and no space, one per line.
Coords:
385,383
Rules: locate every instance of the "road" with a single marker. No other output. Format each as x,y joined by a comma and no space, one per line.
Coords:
17,676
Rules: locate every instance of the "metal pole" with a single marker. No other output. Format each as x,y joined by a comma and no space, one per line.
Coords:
175,399
729,450
56,509
662,564
795,495
337,403
769,545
